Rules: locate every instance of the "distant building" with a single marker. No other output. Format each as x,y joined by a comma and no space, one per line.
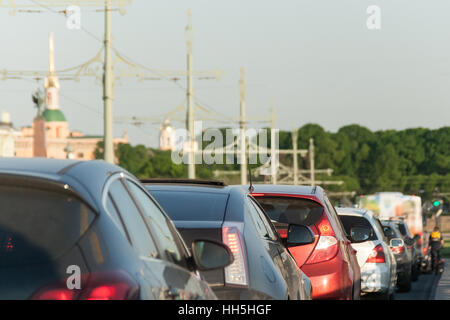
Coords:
7,136
57,133
166,136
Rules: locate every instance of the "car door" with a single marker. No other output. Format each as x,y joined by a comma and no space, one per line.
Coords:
181,282
120,206
387,251
282,258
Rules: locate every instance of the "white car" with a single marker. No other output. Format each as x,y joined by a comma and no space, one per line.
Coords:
375,259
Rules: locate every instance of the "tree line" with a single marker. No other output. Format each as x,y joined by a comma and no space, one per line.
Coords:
413,161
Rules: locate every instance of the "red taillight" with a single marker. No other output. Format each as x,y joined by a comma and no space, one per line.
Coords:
96,286
55,294
324,226
327,246
425,251
398,250
236,273
283,233
377,255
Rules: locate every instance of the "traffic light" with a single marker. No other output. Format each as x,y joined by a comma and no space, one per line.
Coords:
436,203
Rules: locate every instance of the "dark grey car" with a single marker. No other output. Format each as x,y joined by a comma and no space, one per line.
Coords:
402,255
94,224
263,268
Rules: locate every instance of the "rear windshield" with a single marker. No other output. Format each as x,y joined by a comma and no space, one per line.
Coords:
291,210
387,228
192,206
402,229
354,221
36,225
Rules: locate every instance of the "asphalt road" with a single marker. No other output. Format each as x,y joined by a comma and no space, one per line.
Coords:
422,289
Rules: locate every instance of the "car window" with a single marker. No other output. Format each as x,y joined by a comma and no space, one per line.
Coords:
390,232
37,225
137,229
265,220
403,229
112,210
256,218
290,210
356,221
167,240
379,227
192,206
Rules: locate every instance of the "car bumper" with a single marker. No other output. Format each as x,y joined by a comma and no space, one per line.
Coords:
325,285
375,277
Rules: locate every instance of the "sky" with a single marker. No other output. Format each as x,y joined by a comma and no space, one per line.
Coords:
315,61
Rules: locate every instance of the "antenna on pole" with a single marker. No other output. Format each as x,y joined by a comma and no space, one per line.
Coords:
250,188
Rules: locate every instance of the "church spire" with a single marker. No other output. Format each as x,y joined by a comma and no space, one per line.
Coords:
51,81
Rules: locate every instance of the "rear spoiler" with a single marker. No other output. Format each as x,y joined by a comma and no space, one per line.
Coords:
183,181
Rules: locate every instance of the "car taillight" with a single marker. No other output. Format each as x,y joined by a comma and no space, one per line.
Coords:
236,273
283,233
116,285
327,246
377,255
425,251
398,249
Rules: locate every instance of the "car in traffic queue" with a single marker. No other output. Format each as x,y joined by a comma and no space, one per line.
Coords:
326,256
401,254
377,262
88,230
262,267
411,246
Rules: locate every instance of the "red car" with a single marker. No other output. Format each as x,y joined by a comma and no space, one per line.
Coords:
329,261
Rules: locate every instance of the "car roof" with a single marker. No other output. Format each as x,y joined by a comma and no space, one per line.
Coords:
235,202
87,178
181,186
35,165
351,211
315,191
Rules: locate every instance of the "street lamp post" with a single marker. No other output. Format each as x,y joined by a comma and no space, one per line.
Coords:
108,89
189,36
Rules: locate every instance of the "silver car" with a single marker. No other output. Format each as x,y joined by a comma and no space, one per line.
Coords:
377,262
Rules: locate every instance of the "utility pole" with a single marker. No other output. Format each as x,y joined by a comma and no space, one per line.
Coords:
295,147
311,161
108,78
273,147
189,36
243,144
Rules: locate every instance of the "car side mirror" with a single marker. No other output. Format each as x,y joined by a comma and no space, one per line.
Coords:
299,235
396,242
210,255
360,234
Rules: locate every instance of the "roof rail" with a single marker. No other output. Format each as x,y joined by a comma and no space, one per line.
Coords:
184,181
397,218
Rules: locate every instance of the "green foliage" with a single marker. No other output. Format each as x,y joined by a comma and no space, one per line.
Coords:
410,161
